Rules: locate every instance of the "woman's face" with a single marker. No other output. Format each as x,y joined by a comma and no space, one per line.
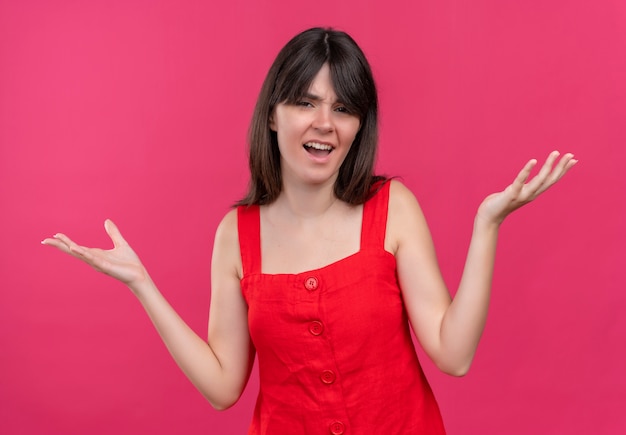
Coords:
314,134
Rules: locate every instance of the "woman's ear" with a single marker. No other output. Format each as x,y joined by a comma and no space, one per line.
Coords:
272,124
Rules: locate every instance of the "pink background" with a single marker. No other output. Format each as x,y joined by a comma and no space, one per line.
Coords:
138,110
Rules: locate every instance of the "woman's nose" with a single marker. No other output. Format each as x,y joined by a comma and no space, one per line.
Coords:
323,120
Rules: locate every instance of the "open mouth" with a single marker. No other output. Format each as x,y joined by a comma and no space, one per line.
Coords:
318,149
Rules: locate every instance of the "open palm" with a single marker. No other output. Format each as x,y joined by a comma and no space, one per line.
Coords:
497,206
121,262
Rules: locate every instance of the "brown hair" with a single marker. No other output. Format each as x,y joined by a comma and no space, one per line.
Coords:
287,81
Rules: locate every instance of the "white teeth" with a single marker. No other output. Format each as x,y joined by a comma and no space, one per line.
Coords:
318,146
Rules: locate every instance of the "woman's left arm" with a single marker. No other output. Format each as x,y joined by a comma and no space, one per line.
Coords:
450,329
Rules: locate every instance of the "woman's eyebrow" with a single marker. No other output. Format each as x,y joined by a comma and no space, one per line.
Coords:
313,97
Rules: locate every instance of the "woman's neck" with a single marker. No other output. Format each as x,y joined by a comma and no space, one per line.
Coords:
306,202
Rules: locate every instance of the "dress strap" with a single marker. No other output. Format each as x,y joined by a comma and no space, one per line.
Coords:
374,224
249,230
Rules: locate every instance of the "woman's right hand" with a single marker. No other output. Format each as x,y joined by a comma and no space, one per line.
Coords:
121,262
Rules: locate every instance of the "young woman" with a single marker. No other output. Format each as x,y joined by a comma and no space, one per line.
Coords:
323,266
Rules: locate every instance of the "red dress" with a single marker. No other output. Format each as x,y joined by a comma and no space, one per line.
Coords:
334,348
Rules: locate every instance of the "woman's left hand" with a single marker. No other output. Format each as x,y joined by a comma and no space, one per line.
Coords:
497,206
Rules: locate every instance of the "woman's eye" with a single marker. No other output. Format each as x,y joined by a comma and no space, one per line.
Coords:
342,109
304,104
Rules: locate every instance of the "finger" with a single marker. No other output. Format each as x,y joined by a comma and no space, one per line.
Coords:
523,175
538,181
66,242
564,165
56,243
63,243
91,256
85,254
114,233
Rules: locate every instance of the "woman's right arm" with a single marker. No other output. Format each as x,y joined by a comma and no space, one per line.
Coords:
218,368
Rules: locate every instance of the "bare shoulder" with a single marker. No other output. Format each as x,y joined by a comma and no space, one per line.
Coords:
228,225
226,254
400,196
405,215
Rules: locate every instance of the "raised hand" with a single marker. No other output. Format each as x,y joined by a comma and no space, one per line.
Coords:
121,262
497,206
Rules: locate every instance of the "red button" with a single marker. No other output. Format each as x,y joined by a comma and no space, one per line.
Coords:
327,377
311,283
316,328
337,428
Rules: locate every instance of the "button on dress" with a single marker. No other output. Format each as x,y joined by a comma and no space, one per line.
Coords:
334,349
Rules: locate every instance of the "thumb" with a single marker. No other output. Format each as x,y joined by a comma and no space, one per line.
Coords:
114,233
